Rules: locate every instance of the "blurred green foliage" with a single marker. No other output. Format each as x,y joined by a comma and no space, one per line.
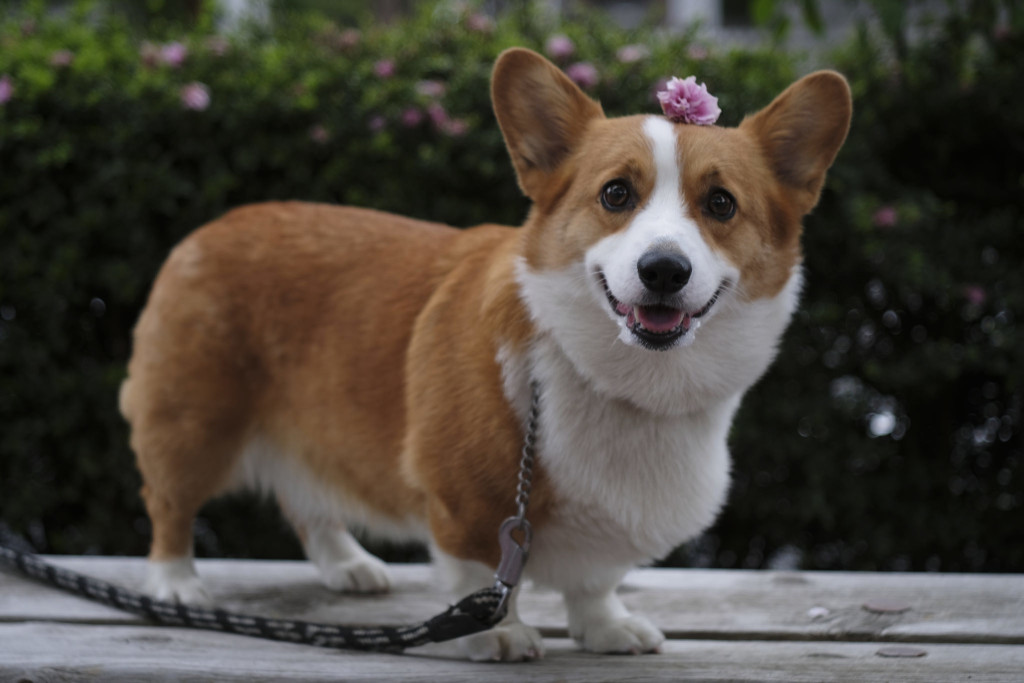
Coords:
887,435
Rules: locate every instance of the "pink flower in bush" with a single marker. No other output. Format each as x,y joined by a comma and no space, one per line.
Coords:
632,53
432,89
697,52
377,123
884,217
412,117
173,54
217,45
195,96
349,38
480,23
6,89
684,101
975,295
384,68
456,127
584,74
149,54
559,47
62,58
319,134
438,116
342,41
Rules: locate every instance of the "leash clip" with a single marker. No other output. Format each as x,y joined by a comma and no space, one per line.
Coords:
513,551
513,556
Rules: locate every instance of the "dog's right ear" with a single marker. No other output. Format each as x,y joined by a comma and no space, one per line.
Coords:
542,115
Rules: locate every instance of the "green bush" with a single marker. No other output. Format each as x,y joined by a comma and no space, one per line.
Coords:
887,435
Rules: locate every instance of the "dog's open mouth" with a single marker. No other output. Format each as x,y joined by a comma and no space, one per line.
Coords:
657,326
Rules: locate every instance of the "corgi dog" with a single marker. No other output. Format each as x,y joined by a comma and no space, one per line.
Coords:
374,372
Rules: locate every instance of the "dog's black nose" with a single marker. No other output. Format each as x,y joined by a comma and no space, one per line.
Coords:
664,272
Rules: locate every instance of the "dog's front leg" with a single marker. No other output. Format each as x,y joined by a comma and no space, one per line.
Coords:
601,623
509,641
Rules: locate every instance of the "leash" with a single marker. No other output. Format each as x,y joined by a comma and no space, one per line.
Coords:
477,612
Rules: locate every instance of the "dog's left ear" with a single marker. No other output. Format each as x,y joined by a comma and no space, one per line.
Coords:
542,115
802,130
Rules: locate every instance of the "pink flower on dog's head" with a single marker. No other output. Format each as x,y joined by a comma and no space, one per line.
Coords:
684,101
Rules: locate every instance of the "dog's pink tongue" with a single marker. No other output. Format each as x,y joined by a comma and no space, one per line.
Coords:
659,318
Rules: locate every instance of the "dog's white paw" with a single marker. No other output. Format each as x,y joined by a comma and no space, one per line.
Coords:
626,635
175,581
365,574
513,642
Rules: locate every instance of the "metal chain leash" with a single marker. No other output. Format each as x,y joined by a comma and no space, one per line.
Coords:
514,551
528,454
477,612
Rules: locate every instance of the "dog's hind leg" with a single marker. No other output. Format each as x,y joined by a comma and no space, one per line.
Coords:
171,573
174,495
187,440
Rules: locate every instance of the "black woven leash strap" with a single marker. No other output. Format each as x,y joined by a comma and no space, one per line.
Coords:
477,612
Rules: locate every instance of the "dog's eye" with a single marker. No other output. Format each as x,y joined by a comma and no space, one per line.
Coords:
616,196
721,205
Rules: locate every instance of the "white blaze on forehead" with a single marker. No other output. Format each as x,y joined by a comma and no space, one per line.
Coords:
667,196
664,221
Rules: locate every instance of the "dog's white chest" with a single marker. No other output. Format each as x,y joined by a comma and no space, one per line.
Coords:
629,485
